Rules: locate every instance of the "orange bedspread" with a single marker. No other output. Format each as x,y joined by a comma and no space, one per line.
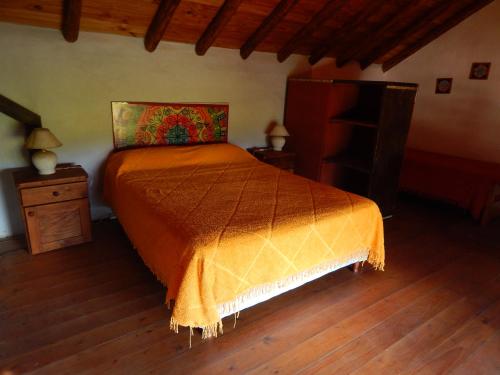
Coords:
218,227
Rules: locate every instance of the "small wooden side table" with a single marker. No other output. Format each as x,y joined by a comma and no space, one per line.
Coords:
55,207
280,159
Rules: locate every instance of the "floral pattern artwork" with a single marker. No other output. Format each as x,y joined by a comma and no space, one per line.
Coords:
144,124
480,70
443,85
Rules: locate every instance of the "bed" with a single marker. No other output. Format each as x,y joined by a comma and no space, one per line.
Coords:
222,230
473,185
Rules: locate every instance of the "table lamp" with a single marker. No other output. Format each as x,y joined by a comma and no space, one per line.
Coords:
278,135
41,139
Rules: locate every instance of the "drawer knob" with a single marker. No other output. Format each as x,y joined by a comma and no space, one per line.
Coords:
55,193
31,213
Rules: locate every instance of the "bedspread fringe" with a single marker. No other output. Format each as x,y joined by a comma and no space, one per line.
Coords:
377,260
294,281
266,291
211,330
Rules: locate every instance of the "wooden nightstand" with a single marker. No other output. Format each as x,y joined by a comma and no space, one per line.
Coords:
280,159
55,207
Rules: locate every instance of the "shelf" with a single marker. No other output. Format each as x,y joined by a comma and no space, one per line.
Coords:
353,162
375,83
356,122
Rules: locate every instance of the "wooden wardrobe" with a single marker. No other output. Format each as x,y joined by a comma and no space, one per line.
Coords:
350,134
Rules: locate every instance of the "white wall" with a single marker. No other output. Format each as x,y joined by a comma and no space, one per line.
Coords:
71,87
466,122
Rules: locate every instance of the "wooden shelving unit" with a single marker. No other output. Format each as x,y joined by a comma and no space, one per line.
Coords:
354,122
351,134
351,161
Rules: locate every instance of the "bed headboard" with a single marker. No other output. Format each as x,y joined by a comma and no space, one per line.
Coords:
137,124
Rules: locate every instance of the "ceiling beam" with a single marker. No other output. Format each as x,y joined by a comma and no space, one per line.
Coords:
345,34
72,10
365,44
436,33
266,27
421,23
328,10
159,24
223,16
26,117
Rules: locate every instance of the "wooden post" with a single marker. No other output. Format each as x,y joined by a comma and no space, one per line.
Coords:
356,267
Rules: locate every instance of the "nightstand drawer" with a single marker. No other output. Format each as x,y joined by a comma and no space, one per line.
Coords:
54,193
52,226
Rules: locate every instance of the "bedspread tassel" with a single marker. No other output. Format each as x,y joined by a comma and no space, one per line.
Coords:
236,317
190,336
174,326
376,259
212,330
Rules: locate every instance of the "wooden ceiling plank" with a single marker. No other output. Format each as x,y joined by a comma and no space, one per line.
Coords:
223,16
72,11
436,33
159,24
344,34
269,23
365,44
328,10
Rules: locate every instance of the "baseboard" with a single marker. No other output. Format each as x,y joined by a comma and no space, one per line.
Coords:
12,243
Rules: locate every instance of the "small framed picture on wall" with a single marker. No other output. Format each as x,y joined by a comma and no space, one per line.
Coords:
443,85
480,70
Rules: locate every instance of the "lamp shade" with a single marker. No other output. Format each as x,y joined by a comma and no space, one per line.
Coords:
279,131
41,139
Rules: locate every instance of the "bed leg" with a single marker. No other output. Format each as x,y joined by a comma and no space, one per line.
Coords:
356,267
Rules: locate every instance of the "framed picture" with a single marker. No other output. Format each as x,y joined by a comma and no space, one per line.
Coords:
480,70
443,85
140,124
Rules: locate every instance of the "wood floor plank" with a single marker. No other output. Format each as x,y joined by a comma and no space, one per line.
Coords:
264,339
417,343
99,360
63,294
68,299
459,346
366,347
51,334
95,308
45,289
38,322
108,243
315,346
485,360
45,358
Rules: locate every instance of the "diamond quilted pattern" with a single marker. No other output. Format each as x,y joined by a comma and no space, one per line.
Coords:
214,231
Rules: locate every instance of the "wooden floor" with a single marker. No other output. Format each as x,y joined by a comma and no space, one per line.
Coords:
95,308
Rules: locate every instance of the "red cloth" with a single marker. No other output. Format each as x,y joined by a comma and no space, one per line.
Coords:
464,182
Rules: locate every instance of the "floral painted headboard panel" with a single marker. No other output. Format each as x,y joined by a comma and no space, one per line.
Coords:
150,124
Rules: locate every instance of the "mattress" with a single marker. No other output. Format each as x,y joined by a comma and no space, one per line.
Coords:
224,231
